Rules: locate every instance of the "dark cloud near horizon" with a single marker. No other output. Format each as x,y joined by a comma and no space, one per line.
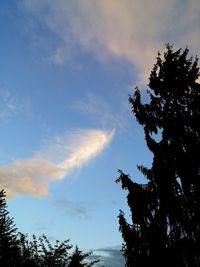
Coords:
109,257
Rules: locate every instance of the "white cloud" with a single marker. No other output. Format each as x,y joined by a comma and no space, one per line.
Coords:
85,145
66,153
132,30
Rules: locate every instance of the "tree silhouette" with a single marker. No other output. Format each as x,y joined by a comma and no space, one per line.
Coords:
9,249
40,252
166,210
80,259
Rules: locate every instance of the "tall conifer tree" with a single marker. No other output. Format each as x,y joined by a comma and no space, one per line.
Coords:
166,210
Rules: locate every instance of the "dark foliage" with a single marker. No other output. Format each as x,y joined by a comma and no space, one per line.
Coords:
9,249
16,250
80,259
165,228
40,252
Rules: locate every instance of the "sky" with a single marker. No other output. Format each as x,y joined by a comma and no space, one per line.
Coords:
66,127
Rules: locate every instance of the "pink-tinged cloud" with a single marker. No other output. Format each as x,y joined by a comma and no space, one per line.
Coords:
131,30
65,153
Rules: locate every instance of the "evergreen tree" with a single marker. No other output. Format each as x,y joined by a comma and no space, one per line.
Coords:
9,249
166,210
80,259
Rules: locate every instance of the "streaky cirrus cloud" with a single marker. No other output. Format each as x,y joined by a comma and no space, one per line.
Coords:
63,154
10,105
131,30
95,106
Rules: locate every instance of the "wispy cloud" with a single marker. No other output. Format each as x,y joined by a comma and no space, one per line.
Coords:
8,104
132,30
11,105
64,154
73,208
96,107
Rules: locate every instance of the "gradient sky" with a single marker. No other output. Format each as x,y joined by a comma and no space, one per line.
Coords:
67,68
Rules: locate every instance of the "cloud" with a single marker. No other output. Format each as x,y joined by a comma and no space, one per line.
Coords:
131,30
60,55
9,104
110,256
95,106
64,154
73,208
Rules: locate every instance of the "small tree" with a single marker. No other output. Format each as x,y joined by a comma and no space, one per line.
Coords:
80,259
166,210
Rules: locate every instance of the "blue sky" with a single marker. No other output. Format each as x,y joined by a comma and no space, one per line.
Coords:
67,68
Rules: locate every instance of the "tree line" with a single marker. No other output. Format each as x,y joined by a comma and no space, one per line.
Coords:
17,250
